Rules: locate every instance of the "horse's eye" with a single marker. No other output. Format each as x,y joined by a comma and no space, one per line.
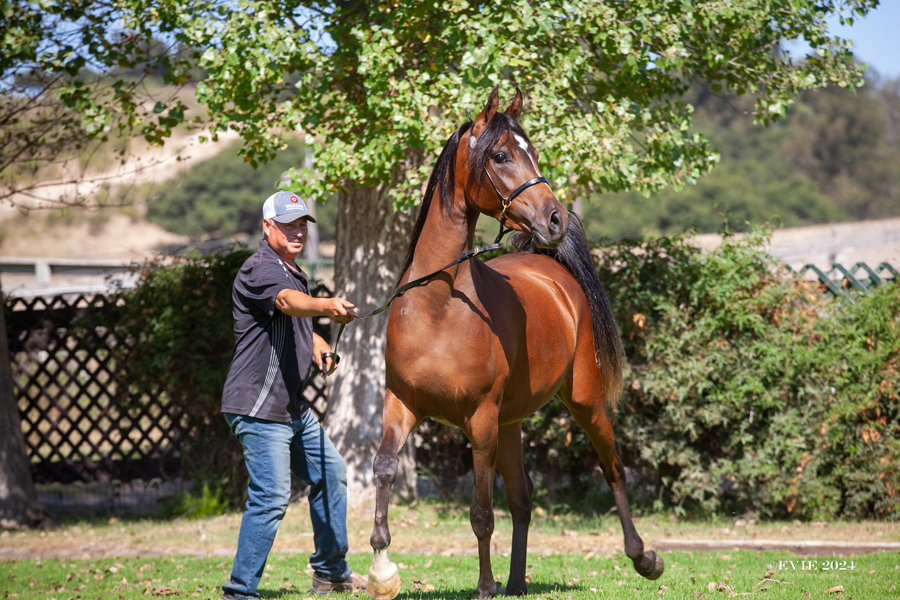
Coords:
500,157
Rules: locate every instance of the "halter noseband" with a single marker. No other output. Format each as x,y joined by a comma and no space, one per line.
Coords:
507,200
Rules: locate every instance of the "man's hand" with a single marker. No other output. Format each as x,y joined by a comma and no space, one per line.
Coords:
320,347
339,310
298,304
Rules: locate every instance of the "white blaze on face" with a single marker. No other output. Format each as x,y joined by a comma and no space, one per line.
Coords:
524,146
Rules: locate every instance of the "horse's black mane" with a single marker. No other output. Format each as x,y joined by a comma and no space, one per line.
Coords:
443,176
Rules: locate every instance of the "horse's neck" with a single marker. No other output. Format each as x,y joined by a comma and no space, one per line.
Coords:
443,238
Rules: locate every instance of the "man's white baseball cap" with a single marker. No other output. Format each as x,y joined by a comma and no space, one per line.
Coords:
285,207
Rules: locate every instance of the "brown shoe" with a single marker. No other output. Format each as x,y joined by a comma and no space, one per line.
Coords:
355,582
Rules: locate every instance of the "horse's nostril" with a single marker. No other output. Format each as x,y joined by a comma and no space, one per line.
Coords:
555,222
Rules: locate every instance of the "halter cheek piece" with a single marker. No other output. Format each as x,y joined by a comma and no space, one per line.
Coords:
504,200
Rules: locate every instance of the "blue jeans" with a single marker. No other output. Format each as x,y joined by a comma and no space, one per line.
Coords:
272,451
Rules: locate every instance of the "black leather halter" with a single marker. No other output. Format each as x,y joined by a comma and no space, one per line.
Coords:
505,201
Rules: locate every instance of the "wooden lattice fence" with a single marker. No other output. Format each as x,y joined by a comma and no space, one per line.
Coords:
858,278
74,427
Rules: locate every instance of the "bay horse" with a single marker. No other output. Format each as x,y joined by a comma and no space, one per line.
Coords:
481,346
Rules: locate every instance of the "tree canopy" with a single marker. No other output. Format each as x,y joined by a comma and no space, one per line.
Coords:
373,83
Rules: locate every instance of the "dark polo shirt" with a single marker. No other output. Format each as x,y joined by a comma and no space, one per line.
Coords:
272,350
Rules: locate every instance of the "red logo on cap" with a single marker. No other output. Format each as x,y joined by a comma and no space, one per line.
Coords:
295,199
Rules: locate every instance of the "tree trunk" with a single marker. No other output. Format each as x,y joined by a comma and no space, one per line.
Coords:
371,246
311,250
19,505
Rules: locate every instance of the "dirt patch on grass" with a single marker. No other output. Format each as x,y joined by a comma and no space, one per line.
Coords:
437,530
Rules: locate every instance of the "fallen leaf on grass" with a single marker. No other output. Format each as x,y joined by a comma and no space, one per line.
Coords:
164,590
589,556
699,595
835,589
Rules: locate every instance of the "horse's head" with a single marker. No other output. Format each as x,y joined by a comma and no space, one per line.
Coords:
503,177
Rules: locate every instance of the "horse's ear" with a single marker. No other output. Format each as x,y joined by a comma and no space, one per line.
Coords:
515,107
488,112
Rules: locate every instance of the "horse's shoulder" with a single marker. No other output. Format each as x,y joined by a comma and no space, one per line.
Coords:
531,273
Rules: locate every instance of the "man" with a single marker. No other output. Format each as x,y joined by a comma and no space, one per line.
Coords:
274,349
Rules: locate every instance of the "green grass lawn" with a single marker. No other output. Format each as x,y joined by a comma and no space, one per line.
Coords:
689,575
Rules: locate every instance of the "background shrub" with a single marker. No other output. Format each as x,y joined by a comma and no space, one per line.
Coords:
748,390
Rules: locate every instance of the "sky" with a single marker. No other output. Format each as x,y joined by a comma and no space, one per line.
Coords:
876,40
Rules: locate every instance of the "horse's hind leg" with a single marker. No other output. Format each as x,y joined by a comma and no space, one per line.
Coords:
589,409
519,488
384,580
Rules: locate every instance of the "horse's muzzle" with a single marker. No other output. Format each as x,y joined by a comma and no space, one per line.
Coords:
552,232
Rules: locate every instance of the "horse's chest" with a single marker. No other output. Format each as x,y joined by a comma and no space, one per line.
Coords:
450,357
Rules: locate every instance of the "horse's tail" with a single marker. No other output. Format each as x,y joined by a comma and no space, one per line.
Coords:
573,254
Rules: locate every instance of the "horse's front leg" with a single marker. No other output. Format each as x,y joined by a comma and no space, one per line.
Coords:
384,579
483,435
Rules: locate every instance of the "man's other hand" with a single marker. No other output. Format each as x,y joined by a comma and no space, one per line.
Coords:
320,348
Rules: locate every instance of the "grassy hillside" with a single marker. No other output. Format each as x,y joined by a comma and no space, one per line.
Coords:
223,196
836,157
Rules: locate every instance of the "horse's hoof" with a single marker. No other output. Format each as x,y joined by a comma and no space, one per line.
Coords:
515,589
385,584
488,591
651,566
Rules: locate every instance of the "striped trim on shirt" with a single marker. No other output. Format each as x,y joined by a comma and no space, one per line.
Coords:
278,332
